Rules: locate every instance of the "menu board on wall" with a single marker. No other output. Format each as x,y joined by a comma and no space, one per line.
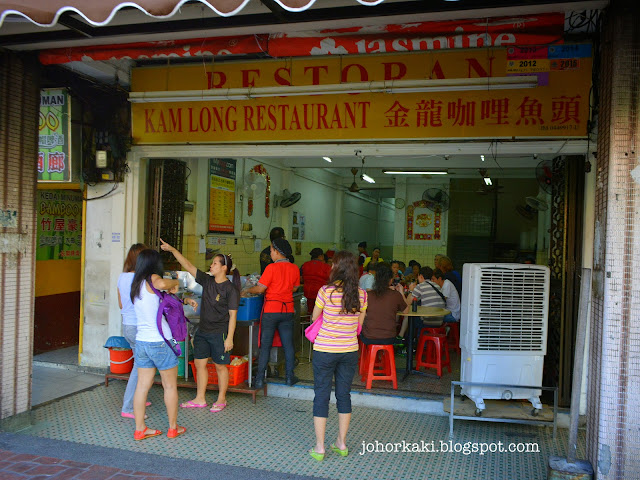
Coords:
222,195
59,230
54,138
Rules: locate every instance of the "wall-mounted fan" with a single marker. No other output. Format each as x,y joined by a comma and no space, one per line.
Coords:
525,211
544,175
537,203
254,184
289,198
437,200
354,186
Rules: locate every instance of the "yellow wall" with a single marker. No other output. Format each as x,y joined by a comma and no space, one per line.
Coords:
57,276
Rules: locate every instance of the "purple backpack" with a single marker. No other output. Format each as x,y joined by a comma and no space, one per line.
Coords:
172,309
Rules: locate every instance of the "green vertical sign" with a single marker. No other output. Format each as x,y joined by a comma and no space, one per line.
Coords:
59,225
54,153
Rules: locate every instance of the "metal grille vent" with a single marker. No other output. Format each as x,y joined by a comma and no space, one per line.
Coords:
512,310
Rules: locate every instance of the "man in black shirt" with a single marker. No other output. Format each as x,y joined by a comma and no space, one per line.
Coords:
265,255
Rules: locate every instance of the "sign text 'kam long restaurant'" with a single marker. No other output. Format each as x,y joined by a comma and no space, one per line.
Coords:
557,107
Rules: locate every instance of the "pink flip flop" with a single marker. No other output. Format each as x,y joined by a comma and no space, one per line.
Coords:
217,407
192,404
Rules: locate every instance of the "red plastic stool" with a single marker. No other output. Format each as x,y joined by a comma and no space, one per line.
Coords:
385,369
432,330
453,337
379,366
436,341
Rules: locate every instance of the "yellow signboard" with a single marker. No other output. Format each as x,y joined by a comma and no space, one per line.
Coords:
557,107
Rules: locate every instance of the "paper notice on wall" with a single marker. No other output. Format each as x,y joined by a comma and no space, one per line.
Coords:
202,246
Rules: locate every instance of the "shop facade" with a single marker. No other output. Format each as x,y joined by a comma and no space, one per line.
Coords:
249,133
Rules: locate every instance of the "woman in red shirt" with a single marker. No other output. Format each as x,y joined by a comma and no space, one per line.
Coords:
279,280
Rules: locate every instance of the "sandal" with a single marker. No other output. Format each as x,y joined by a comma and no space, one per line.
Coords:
315,455
146,433
176,432
344,452
217,407
192,404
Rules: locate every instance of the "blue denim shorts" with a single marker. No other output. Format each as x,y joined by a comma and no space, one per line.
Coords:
155,355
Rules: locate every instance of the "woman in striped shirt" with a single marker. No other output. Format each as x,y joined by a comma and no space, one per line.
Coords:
343,306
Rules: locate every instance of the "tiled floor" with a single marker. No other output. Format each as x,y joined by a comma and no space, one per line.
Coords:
62,356
50,383
276,433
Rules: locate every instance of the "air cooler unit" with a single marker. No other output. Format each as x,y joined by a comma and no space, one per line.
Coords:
503,337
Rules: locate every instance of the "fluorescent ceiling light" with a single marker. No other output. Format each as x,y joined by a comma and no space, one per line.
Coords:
394,86
367,178
487,181
328,159
413,172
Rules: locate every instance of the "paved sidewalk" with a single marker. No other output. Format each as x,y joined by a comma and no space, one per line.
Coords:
31,458
271,439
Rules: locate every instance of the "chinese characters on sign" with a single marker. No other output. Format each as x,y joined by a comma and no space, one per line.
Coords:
222,195
54,162
59,229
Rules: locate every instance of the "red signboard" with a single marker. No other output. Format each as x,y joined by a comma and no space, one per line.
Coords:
540,29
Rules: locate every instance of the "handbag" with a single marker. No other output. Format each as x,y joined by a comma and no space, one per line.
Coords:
311,332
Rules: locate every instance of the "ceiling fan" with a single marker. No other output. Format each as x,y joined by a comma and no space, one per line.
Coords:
354,186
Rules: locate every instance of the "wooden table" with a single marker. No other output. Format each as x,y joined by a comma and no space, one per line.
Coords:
429,312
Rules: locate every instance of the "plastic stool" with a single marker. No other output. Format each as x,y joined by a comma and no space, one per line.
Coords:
453,337
439,342
432,330
383,370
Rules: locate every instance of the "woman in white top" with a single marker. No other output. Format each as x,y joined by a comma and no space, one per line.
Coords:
151,350
129,321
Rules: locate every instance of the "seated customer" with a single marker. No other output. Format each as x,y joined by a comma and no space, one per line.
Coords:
451,295
412,276
379,327
446,267
398,277
366,281
427,293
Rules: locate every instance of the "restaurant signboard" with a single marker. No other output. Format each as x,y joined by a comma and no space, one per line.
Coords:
556,105
54,137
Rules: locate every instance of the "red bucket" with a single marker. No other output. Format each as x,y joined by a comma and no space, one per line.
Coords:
121,360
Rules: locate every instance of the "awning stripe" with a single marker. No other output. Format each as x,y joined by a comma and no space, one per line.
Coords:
45,13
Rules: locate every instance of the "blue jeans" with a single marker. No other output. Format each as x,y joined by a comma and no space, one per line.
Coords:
129,333
449,319
283,322
326,366
155,355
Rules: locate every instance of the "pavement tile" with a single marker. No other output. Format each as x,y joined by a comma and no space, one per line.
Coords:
120,476
47,460
4,454
69,473
20,467
23,457
11,476
49,470
98,472
71,463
